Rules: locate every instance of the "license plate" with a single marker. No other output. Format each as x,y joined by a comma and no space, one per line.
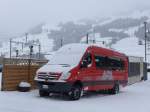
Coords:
45,86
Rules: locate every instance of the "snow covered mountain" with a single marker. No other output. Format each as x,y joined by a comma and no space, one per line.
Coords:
115,31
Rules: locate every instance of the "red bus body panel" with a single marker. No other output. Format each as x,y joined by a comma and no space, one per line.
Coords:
92,77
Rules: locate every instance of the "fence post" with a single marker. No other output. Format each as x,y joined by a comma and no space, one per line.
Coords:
29,65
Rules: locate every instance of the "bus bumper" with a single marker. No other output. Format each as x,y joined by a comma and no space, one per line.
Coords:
54,87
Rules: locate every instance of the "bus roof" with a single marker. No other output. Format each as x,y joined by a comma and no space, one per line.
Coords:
81,48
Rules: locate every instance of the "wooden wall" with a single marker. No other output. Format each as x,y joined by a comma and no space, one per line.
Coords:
13,74
18,70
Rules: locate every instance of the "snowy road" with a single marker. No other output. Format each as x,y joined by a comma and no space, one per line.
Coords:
134,98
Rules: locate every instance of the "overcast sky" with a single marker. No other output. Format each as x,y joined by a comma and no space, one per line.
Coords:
17,16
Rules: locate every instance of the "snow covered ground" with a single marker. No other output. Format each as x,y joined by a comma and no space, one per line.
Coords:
134,98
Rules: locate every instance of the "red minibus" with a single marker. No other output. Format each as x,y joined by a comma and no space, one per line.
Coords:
75,68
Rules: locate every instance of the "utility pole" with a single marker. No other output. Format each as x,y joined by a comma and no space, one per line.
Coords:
10,47
29,61
145,27
26,34
87,38
93,34
39,51
17,53
31,51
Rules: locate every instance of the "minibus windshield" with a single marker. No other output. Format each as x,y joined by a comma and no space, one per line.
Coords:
66,59
70,54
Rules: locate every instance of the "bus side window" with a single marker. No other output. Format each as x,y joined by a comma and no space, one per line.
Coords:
122,65
109,63
115,64
100,61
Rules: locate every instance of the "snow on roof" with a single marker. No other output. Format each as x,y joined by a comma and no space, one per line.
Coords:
74,47
78,47
49,56
70,54
135,59
130,47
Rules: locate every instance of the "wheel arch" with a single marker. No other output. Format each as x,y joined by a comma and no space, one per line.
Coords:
78,82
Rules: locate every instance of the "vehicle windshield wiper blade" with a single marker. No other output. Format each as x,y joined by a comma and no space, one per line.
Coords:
59,64
65,64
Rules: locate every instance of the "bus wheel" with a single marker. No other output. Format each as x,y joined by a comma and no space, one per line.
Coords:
75,93
43,93
115,89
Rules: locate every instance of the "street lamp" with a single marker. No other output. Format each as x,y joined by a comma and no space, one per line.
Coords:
145,28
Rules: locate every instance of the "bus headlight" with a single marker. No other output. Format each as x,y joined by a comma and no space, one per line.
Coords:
65,76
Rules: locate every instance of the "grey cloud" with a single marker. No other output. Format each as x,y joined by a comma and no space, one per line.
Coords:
17,16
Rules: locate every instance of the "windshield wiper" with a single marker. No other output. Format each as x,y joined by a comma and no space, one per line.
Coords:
64,64
59,64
